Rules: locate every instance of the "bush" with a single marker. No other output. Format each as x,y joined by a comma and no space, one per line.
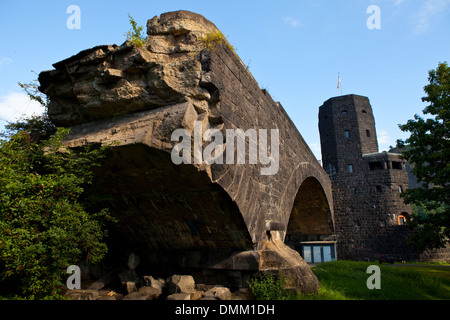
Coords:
134,35
269,287
213,39
44,227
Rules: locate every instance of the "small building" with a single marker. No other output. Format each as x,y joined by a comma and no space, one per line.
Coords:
318,251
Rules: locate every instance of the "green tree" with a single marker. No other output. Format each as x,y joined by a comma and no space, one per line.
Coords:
428,151
44,224
39,127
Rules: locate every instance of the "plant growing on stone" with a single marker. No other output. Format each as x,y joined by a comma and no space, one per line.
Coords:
134,36
214,39
32,91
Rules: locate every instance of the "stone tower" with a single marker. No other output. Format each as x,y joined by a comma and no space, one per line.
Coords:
369,212
347,131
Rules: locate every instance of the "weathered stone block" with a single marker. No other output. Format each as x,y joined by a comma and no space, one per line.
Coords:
180,284
179,296
144,293
276,257
81,294
218,293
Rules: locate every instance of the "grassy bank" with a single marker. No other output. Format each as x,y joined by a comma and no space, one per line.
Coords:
346,280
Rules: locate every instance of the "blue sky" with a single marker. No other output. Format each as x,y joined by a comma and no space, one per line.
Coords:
294,49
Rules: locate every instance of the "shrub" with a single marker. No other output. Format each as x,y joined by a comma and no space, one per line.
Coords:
134,35
213,39
44,226
269,287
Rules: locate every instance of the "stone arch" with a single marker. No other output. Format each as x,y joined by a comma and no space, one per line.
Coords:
311,215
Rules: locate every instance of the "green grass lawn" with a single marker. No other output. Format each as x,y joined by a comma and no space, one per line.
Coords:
346,280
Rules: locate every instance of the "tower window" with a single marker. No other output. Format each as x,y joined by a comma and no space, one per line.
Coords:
331,170
401,220
379,189
396,165
400,188
368,133
344,112
353,190
347,134
375,165
364,111
350,168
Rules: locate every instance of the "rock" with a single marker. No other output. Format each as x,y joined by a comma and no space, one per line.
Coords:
97,83
197,295
154,283
179,22
130,286
179,296
156,286
162,282
144,293
109,295
134,296
181,284
130,280
276,257
106,298
82,294
218,293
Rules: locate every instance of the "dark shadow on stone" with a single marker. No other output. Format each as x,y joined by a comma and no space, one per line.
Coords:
164,209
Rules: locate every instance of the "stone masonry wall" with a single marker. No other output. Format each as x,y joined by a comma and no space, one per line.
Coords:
269,194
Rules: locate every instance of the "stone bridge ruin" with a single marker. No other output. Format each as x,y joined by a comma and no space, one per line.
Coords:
218,220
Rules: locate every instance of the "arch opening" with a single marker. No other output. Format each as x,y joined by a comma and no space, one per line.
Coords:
310,230
166,211
401,220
